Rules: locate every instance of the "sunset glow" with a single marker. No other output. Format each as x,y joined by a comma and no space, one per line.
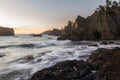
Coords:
32,30
43,13
28,30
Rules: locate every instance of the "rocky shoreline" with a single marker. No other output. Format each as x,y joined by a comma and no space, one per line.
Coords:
103,64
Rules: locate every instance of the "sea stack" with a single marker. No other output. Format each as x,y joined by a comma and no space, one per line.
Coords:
4,31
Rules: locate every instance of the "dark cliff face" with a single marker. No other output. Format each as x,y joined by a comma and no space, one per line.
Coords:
6,31
101,25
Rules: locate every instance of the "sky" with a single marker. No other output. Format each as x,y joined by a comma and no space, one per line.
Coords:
34,16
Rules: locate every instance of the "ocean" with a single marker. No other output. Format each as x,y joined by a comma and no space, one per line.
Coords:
23,55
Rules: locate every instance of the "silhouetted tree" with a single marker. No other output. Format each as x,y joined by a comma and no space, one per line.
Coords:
119,3
101,7
108,3
97,9
70,23
115,4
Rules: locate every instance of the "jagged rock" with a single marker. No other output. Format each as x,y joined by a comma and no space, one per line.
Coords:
106,42
2,55
36,35
6,31
29,57
100,56
106,61
90,76
66,70
101,25
95,45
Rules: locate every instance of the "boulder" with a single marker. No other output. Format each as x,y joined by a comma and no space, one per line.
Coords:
2,55
36,35
106,42
29,57
94,45
100,56
106,61
66,70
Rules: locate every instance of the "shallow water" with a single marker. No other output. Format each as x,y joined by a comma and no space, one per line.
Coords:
24,55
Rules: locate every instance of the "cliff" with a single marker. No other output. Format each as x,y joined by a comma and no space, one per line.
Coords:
103,24
6,31
54,32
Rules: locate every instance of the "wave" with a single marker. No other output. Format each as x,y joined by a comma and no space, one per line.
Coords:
27,45
21,45
49,56
39,45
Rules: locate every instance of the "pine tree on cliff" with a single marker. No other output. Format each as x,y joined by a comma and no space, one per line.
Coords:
115,4
101,8
119,3
108,4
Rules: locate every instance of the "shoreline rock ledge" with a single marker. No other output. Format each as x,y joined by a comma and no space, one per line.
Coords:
103,64
4,31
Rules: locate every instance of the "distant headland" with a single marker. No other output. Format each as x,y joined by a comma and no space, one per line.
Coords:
4,31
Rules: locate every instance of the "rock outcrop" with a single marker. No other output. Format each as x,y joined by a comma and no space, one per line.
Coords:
103,24
67,70
6,31
54,32
36,35
103,64
106,62
2,55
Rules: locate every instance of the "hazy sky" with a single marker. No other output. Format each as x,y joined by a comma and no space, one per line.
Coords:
44,13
